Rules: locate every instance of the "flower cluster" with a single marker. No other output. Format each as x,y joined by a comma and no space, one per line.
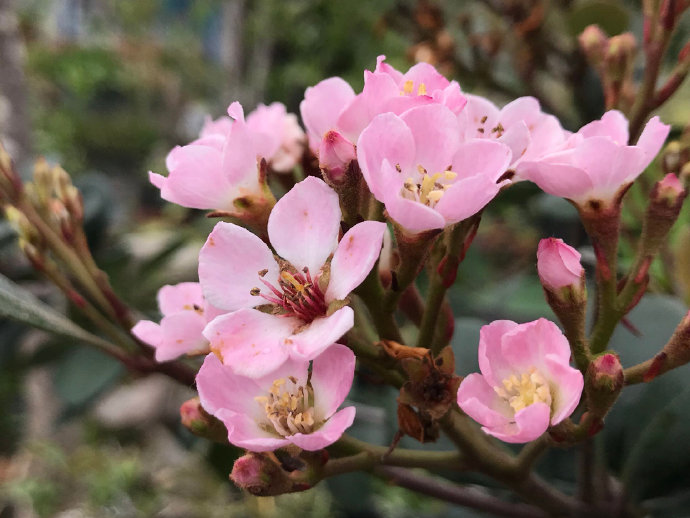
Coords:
272,303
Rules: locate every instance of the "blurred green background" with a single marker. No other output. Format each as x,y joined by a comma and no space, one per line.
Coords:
106,88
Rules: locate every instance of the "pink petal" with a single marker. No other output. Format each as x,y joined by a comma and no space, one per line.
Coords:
358,114
156,179
491,362
528,344
355,256
652,138
182,296
220,388
481,157
530,423
387,137
321,333
148,332
229,266
479,401
517,138
566,388
240,155
265,123
412,215
612,125
478,114
246,433
466,197
182,334
436,135
197,181
331,378
304,225
322,105
424,73
250,342
383,67
561,180
330,432
523,109
335,155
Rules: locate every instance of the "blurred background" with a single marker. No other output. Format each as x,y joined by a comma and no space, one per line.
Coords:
107,88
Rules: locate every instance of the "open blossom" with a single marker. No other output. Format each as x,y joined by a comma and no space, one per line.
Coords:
185,314
297,293
558,264
216,170
520,124
416,164
289,406
526,382
597,163
335,117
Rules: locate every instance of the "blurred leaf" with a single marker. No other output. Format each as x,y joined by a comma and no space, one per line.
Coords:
83,374
655,317
18,304
519,298
659,462
610,15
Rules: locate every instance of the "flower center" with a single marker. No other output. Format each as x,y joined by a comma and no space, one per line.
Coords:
531,387
297,294
288,408
429,189
408,88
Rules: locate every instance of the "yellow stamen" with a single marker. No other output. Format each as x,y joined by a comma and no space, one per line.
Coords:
288,277
408,87
421,90
531,387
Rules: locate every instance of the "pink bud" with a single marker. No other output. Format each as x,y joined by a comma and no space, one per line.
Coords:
247,472
558,264
335,155
258,474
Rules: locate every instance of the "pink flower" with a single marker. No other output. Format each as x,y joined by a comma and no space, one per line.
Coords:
334,115
558,264
417,166
520,124
216,170
289,406
526,383
185,314
297,293
597,163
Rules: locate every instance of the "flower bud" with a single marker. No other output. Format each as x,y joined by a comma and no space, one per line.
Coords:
335,155
668,190
558,265
200,423
620,55
666,200
593,42
603,382
671,157
258,474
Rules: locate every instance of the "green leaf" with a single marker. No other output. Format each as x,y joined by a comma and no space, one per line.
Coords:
83,374
18,304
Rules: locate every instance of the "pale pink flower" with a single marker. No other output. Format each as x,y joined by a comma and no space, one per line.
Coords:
558,264
416,164
185,314
597,163
520,124
335,116
295,291
289,406
526,382
215,170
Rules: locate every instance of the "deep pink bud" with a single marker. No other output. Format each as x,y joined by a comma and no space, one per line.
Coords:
603,382
558,265
335,155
